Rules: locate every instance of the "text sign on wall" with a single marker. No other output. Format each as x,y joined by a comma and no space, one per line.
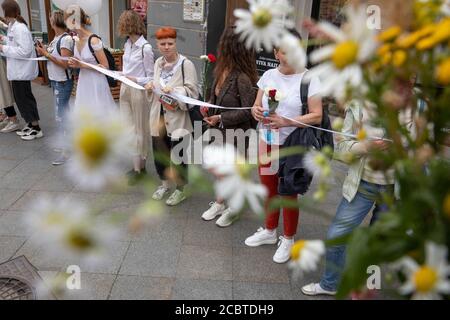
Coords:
265,61
193,10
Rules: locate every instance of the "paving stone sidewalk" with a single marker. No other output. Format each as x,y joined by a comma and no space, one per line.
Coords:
177,257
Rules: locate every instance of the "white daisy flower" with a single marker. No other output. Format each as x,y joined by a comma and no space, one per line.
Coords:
341,61
428,281
48,217
234,178
295,52
305,256
68,229
88,241
317,163
99,141
264,23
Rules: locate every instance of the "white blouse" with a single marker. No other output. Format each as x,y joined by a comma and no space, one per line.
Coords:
138,61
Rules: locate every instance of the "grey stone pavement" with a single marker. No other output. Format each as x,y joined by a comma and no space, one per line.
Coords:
177,257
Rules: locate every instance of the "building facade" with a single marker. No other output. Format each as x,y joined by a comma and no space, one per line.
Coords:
199,22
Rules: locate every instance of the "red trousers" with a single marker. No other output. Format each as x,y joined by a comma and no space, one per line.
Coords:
290,216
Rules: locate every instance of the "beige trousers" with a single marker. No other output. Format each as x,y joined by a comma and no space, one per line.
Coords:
6,95
135,108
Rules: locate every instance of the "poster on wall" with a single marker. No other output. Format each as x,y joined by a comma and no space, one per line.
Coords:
140,7
193,10
265,61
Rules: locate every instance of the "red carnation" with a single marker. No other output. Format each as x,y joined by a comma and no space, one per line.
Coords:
212,58
272,94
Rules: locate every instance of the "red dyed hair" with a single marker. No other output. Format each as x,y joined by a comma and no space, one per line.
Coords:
166,32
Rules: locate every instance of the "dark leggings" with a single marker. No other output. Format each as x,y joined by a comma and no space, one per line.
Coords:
26,103
162,149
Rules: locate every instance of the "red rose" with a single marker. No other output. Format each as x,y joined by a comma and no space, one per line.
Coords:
272,94
212,58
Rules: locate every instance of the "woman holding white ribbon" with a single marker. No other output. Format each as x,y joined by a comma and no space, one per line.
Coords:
234,86
18,48
282,85
138,66
92,89
170,122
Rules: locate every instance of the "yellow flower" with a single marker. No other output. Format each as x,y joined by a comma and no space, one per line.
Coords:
447,205
399,57
345,54
425,279
426,44
92,145
362,135
390,34
297,249
384,49
386,58
409,40
443,72
261,18
442,32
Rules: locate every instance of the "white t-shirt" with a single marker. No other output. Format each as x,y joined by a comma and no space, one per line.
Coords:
290,106
167,75
55,72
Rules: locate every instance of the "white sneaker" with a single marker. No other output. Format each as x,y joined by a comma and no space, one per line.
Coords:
33,135
215,210
227,219
262,236
314,289
11,126
283,253
4,123
60,160
160,193
176,198
24,131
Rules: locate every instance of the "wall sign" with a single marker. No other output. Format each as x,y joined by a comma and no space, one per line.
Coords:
193,10
265,61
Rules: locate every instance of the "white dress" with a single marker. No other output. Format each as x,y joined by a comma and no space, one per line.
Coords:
92,89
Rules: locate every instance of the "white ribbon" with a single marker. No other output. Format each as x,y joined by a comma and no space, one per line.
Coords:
194,102
348,135
27,59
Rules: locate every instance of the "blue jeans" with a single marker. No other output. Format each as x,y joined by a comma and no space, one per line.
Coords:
61,93
349,216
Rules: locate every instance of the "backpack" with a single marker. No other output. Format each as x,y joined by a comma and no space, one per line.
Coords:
69,72
111,61
325,138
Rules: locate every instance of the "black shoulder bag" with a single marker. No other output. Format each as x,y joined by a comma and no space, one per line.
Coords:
325,138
